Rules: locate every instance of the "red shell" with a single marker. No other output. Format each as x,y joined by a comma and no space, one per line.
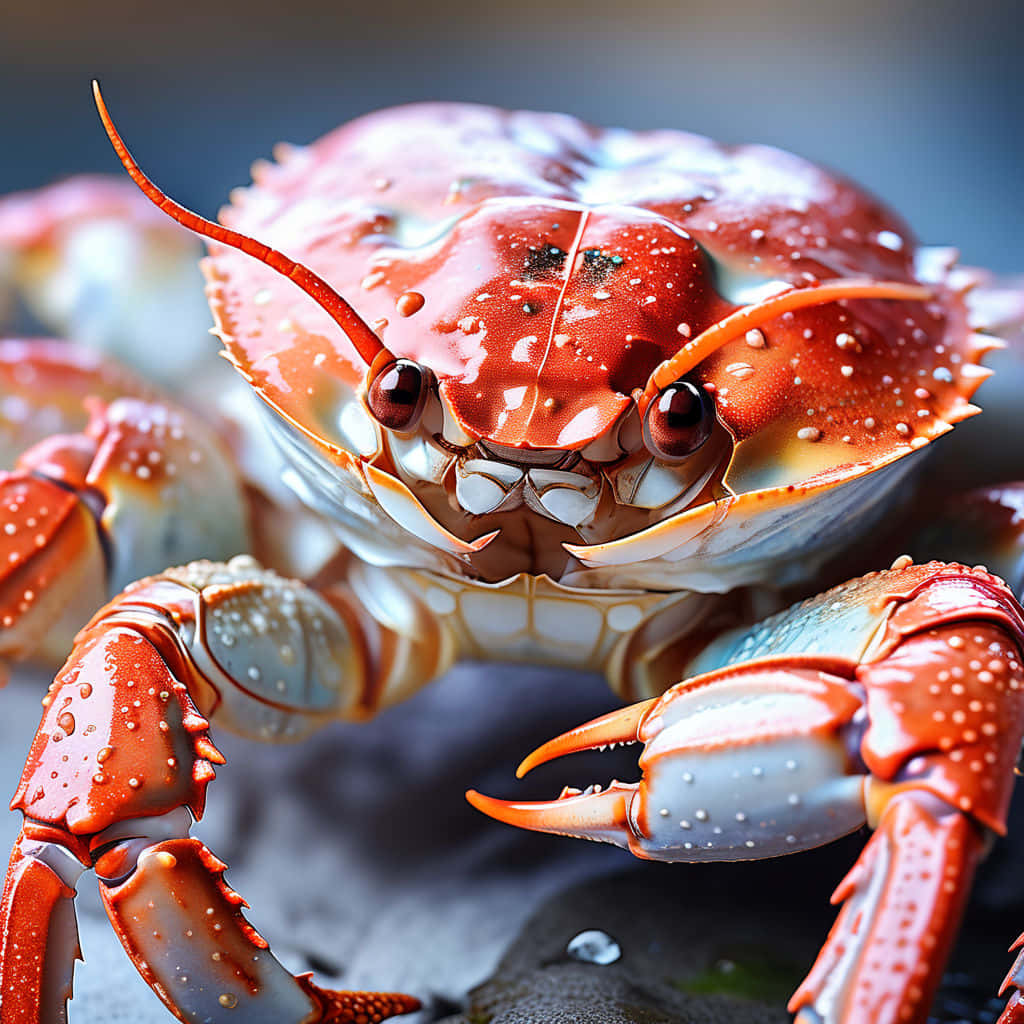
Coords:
120,738
460,205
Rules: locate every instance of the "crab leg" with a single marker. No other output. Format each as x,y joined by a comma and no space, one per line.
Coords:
908,927
44,384
39,945
986,527
133,483
118,772
1014,1012
909,717
177,890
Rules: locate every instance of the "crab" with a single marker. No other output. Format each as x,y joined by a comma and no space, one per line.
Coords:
634,402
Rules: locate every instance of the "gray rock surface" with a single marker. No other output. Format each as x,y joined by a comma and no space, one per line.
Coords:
691,954
707,944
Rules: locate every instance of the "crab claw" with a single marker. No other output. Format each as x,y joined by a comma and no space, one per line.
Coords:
598,814
741,763
621,726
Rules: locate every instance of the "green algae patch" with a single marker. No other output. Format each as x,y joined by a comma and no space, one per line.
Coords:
744,974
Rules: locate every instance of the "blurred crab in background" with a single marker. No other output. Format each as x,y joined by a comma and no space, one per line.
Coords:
540,392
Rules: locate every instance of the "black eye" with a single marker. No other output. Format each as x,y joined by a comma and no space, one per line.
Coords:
678,421
397,394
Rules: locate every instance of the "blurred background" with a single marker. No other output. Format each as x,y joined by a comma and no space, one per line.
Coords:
920,100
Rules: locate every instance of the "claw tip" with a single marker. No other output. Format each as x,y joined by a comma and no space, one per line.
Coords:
477,800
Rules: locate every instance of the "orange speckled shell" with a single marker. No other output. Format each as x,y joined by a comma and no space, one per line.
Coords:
47,533
943,692
461,205
120,738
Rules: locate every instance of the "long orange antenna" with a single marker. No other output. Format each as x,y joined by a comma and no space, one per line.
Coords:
748,317
366,343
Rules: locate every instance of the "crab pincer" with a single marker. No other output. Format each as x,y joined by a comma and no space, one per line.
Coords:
118,773
909,722
723,754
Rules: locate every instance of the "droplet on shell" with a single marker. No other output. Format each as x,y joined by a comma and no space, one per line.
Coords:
67,722
228,1000
408,303
594,947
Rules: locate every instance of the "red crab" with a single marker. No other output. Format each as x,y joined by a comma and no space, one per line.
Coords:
590,398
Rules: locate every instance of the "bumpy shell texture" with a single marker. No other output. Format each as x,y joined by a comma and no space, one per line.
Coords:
542,268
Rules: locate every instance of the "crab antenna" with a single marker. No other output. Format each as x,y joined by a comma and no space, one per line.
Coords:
747,317
366,343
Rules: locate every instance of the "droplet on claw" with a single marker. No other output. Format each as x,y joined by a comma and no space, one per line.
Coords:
594,947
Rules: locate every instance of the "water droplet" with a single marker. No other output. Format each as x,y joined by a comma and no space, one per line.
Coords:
594,947
409,303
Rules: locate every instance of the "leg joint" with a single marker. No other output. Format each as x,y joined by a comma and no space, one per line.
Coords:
55,856
118,848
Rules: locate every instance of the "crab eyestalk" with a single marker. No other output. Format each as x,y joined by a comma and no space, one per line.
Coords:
365,342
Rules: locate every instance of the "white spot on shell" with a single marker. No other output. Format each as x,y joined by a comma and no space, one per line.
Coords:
740,370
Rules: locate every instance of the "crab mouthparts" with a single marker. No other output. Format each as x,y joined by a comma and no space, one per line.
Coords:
594,813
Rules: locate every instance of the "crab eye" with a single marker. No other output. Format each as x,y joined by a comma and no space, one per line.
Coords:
678,421
397,394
